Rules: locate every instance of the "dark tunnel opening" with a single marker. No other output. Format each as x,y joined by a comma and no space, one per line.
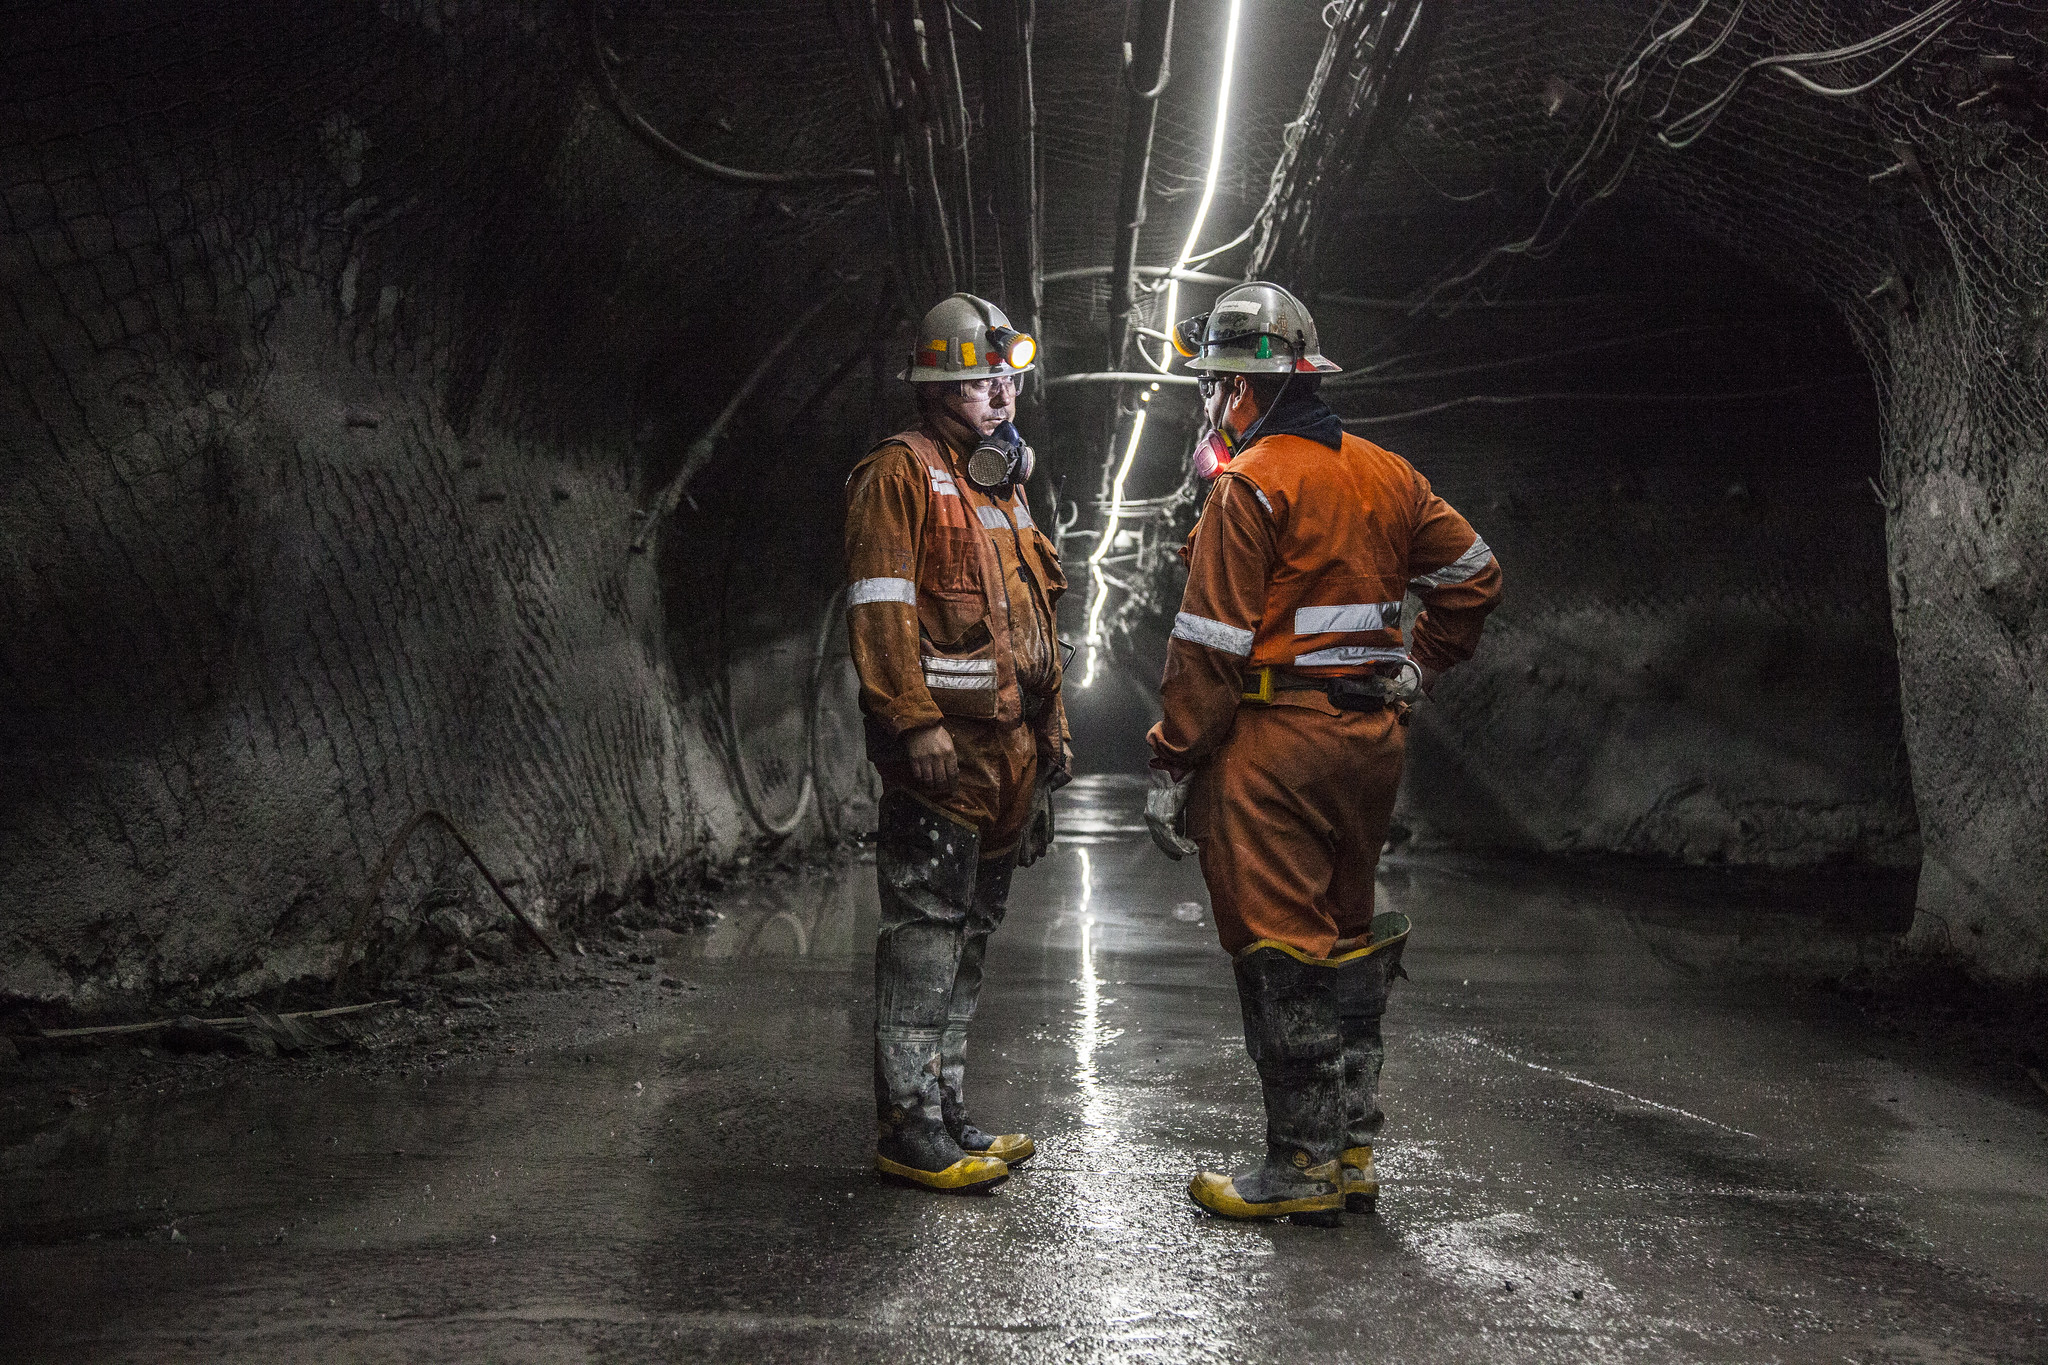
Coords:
1681,454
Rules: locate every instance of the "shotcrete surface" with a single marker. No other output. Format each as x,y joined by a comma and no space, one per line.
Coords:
1607,1141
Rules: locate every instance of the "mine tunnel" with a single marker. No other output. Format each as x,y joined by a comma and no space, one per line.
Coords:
459,831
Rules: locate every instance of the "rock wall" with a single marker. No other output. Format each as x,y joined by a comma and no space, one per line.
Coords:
340,349
1967,533
1911,198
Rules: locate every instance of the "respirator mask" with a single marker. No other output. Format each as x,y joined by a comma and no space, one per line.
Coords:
1214,451
1000,460
1218,445
1212,454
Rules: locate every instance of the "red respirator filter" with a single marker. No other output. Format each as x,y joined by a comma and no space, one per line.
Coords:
1212,455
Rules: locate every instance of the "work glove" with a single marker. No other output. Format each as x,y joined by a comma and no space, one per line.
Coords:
1166,815
1038,830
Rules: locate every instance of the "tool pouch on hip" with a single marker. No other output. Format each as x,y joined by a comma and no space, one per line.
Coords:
1356,694
915,845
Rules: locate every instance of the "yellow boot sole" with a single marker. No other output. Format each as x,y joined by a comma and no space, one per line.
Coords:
1218,1194
968,1175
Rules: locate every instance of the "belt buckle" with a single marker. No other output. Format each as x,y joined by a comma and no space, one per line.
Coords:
1261,695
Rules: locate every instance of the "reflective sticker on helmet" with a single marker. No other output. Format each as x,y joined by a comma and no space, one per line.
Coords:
1241,306
966,353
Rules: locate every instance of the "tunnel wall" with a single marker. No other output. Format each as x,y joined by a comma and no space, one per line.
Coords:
1915,206
341,348
1967,535
1693,660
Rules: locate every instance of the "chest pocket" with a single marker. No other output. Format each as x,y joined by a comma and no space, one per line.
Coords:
952,560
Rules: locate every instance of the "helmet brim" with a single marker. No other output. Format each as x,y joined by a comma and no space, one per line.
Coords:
1313,363
938,374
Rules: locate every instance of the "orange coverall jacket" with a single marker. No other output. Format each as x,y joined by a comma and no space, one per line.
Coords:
1300,562
951,619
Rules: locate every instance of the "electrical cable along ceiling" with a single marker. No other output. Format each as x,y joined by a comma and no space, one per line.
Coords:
1843,151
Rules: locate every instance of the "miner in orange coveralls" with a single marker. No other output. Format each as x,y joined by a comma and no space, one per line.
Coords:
950,612
1286,694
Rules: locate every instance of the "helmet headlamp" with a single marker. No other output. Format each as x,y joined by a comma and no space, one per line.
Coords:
1016,349
1187,335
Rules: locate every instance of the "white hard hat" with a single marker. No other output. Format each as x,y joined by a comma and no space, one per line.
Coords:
1255,328
965,337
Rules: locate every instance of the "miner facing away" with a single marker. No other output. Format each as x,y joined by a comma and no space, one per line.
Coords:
951,617
1287,695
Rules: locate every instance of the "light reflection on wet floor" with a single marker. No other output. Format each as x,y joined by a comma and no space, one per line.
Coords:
1603,1145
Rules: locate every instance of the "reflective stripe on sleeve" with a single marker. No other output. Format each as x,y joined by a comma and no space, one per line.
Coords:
1201,630
1355,616
1260,494
1464,567
866,590
1344,656
992,517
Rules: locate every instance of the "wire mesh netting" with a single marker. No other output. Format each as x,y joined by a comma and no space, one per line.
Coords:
1887,157
337,344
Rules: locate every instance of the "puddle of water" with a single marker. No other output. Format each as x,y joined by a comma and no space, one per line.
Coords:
1101,808
828,918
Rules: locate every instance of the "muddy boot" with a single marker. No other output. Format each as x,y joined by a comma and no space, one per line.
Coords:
991,899
924,864
911,1142
1362,979
1290,1028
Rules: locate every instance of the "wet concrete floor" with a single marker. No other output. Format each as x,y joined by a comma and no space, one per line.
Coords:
1607,1141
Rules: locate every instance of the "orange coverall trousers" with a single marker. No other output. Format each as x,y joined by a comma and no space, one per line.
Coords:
1290,816
998,779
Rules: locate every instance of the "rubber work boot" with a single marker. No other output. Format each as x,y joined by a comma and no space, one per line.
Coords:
1290,1028
924,866
1362,979
991,899
911,1142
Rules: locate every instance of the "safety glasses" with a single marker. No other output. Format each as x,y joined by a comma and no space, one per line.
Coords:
1010,382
